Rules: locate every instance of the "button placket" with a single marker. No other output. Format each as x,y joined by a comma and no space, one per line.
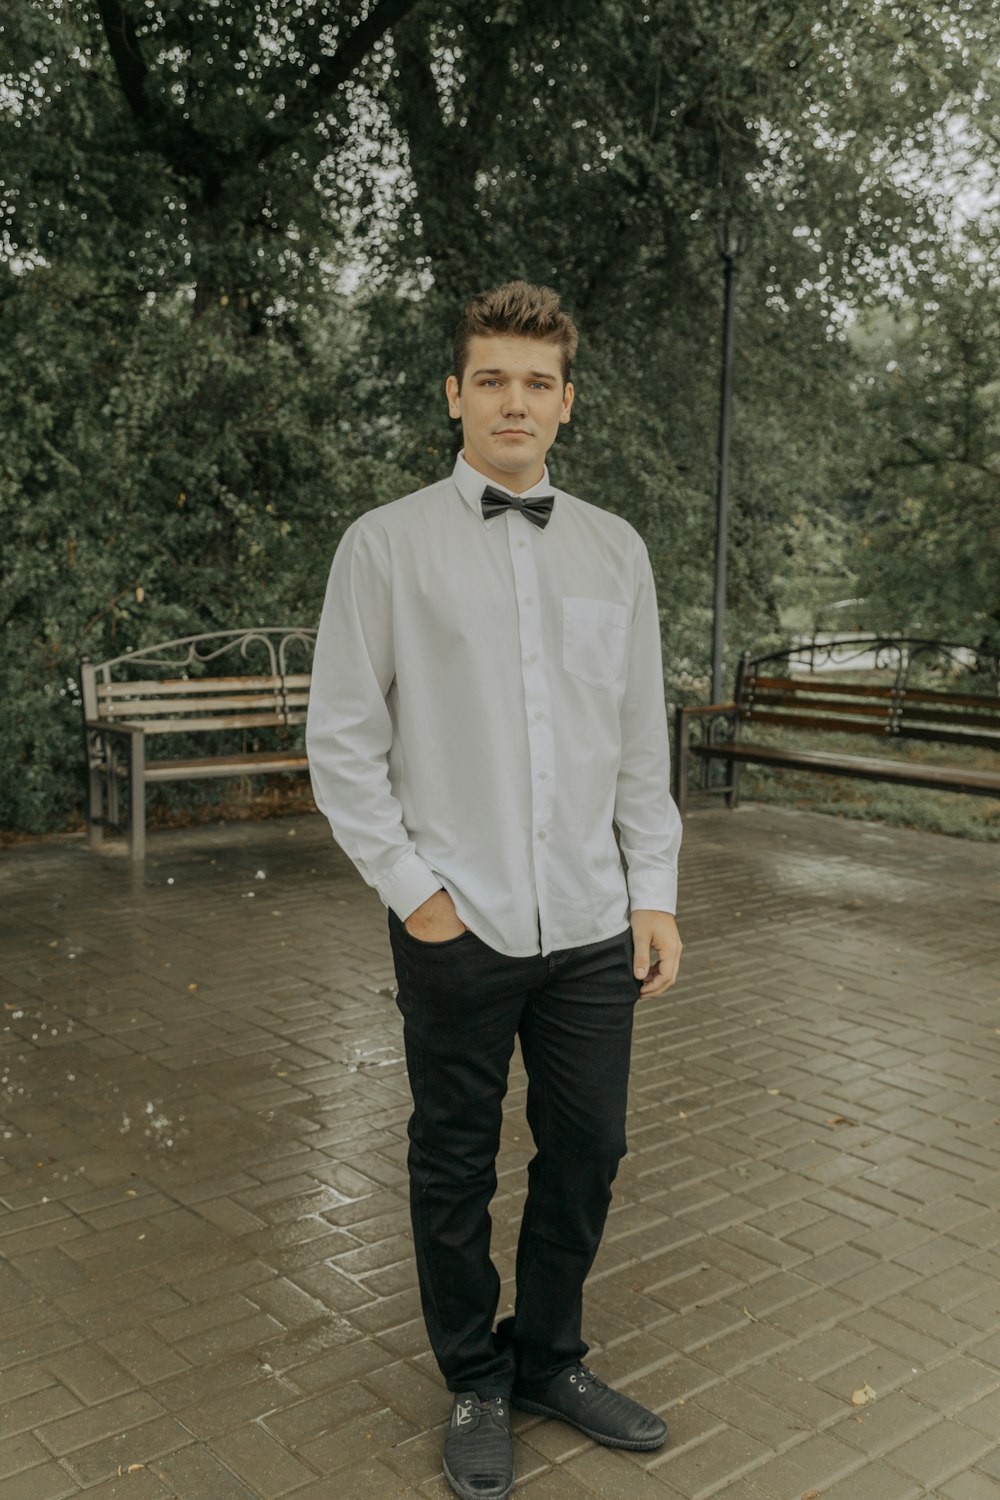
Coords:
537,702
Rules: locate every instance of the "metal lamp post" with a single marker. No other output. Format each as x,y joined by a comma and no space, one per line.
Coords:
731,248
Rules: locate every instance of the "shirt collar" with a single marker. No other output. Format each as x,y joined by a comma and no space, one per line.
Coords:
470,485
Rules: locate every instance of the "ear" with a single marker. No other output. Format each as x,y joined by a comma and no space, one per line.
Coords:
453,393
567,406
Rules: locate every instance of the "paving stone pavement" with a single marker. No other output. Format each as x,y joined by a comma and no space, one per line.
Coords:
206,1285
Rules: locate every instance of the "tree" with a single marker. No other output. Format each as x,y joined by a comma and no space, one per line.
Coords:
235,237
927,541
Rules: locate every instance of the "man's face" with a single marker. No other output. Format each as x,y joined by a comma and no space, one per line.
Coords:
511,403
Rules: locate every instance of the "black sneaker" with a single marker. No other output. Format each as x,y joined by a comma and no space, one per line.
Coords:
576,1396
478,1451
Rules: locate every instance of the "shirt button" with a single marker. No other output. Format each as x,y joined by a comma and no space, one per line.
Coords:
539,717
522,543
542,834
529,600
532,658
543,775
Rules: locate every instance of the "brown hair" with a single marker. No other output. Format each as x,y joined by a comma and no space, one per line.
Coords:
517,307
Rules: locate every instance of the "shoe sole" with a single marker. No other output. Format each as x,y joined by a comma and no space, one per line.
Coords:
635,1445
466,1494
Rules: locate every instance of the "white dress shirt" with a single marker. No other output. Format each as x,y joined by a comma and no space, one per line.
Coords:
487,706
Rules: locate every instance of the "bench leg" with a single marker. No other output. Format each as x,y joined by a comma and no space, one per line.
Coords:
95,804
733,795
680,762
137,799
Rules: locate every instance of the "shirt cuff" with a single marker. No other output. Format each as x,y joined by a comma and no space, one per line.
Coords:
409,884
653,892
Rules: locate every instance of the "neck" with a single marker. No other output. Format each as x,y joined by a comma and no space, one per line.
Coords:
516,483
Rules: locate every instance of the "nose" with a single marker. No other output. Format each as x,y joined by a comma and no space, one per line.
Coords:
514,400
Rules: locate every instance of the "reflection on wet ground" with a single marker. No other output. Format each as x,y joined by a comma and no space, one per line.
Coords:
206,1288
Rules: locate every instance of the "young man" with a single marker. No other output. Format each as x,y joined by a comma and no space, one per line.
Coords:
487,709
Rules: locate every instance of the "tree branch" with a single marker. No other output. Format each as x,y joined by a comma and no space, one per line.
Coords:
333,72
927,460
443,157
123,44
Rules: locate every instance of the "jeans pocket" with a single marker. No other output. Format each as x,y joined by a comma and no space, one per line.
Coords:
434,947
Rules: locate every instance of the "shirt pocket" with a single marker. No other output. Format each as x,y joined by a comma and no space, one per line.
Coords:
595,635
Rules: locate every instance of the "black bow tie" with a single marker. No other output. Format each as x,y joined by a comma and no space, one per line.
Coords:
537,509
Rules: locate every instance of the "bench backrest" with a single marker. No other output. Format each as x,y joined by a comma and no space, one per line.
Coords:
837,693
191,696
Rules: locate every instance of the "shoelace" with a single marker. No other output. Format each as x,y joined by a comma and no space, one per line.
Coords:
489,1403
588,1374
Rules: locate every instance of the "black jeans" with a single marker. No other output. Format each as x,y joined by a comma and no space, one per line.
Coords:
463,1004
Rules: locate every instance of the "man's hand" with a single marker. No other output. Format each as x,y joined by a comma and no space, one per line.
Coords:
436,920
656,929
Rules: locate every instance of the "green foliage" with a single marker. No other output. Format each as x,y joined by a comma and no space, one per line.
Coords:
234,238
163,477
927,540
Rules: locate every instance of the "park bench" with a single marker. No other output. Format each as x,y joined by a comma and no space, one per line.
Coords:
226,703
901,692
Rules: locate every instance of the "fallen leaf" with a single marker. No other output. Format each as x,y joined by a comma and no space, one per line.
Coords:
192,988
124,1469
774,1091
862,1396
747,1313
839,1120
810,1494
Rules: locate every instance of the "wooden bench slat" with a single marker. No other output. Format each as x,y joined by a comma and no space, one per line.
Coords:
869,767
195,726
773,699
226,765
957,700
922,715
817,684
129,708
173,685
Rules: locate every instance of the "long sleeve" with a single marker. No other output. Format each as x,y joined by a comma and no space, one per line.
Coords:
649,824
349,730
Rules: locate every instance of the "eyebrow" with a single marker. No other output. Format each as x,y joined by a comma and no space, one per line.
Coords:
534,374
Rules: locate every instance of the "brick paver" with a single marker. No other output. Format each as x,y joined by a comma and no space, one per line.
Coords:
206,1285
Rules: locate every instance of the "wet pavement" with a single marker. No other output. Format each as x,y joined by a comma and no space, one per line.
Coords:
206,1286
